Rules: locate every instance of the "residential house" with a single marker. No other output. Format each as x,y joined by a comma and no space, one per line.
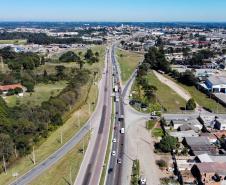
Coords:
199,145
209,173
5,88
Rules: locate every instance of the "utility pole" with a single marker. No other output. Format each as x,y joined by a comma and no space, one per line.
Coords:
33,153
2,63
89,109
61,137
70,176
83,146
4,164
15,151
79,118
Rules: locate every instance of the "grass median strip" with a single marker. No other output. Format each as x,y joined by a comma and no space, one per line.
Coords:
135,173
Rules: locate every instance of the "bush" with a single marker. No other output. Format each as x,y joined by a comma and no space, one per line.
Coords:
161,163
191,105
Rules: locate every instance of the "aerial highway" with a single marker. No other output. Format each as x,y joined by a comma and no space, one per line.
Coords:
92,165
101,110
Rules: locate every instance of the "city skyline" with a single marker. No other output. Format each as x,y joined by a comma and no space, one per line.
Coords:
119,11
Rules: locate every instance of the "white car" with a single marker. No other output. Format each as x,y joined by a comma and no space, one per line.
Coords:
114,140
113,153
143,180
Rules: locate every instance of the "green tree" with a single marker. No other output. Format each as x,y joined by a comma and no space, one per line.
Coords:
188,78
89,54
29,85
57,119
60,71
190,105
69,56
167,144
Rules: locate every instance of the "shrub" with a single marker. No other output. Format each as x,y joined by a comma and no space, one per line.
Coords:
161,163
191,105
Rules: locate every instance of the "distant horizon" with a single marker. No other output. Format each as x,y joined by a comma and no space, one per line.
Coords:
113,11
87,21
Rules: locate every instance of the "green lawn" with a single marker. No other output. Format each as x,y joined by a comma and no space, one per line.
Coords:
202,99
16,41
168,98
157,132
66,169
42,92
150,124
128,61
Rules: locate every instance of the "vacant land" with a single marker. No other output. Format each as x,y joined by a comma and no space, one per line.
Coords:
17,42
202,99
42,92
50,67
64,171
128,62
168,98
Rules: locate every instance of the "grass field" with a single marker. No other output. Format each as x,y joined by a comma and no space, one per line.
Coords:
71,127
50,67
65,170
128,61
157,132
42,92
150,124
168,98
17,42
202,99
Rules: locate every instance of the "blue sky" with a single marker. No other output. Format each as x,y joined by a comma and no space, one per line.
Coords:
113,10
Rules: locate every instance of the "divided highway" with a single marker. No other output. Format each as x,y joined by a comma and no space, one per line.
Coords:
93,162
114,169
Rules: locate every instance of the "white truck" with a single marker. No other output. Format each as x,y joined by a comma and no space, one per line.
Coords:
116,88
122,131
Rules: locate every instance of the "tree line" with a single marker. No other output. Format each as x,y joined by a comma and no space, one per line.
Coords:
23,126
43,38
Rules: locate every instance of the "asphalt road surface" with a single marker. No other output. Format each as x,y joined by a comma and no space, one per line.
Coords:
114,167
93,162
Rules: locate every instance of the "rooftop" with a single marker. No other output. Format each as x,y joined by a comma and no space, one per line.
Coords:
216,80
212,167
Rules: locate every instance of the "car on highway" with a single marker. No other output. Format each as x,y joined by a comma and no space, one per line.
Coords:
113,153
114,140
110,170
122,130
154,117
142,180
119,161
